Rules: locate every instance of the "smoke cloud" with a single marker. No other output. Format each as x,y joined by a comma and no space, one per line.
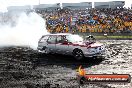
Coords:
27,30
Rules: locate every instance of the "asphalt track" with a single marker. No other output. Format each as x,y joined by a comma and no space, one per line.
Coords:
23,67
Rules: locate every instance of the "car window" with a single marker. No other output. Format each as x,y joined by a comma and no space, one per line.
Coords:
44,38
60,39
52,39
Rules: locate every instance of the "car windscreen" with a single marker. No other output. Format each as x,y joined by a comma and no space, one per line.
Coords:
74,38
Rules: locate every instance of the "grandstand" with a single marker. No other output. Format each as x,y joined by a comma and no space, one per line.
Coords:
106,17
112,5
75,6
47,7
71,6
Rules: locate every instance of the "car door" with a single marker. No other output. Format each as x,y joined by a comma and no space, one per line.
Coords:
62,46
51,43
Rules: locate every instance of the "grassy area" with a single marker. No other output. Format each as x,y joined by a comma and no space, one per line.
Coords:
113,37
110,36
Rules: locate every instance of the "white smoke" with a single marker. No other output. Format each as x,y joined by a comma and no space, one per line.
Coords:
27,31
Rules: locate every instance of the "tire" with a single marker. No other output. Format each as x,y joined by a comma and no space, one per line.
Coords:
78,54
46,50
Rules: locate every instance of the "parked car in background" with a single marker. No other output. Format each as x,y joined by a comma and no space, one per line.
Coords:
71,44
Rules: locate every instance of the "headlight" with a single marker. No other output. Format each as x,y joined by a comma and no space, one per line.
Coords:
91,50
102,47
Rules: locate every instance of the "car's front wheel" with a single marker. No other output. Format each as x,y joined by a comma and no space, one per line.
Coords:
78,54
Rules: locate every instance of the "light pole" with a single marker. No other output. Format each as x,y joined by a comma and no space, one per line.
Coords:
39,2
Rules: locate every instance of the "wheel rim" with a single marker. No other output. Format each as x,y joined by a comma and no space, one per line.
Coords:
78,54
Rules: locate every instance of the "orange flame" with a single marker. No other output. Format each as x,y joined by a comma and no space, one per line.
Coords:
82,72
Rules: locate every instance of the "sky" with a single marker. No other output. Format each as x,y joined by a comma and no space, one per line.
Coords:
5,3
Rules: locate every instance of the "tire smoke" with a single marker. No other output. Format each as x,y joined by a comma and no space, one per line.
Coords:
27,30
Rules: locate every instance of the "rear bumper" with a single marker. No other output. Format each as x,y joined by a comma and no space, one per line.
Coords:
39,48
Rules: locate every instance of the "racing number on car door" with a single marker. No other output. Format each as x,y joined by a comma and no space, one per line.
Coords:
62,46
51,43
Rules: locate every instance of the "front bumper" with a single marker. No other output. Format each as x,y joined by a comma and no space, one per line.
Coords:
97,55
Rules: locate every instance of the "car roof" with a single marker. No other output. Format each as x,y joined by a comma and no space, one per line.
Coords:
59,34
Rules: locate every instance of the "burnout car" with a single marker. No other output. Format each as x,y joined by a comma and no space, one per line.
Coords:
71,44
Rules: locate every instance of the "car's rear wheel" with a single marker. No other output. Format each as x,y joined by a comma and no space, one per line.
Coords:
78,54
45,50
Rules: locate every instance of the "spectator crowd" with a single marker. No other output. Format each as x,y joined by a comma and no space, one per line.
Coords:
89,20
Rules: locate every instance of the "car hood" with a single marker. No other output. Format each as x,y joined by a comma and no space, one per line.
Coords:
92,44
96,44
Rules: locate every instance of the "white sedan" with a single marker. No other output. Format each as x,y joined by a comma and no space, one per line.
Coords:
71,44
